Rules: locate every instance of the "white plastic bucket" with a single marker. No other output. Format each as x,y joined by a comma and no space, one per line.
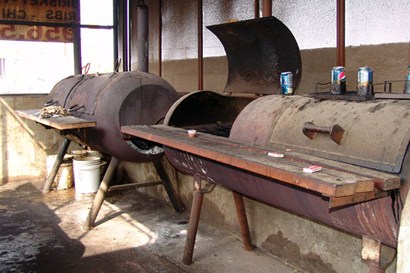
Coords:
93,153
87,172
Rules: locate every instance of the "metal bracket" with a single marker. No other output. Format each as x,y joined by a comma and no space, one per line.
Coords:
335,132
376,256
202,185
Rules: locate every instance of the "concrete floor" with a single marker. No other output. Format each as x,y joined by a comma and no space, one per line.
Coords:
134,233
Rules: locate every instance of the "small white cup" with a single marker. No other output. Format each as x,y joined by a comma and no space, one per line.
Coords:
191,133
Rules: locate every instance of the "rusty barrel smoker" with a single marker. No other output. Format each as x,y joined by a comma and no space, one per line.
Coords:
367,141
114,100
277,123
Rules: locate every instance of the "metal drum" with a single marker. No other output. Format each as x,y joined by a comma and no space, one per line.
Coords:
114,100
278,122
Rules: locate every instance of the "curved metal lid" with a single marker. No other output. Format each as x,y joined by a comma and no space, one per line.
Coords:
258,51
373,134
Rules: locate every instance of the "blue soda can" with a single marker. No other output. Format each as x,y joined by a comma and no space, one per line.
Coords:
286,83
407,83
364,81
338,80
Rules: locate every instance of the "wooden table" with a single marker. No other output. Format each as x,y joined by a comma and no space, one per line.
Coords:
58,122
342,183
63,124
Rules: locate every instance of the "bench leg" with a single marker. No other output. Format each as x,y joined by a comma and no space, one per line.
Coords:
56,166
100,196
372,255
194,219
243,221
176,203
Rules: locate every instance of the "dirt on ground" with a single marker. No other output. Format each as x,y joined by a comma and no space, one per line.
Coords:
133,233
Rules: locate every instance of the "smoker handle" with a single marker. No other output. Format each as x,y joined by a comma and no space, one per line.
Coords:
335,132
75,107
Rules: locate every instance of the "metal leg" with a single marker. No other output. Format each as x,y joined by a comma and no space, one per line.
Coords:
176,203
56,166
374,258
193,221
403,246
243,221
100,196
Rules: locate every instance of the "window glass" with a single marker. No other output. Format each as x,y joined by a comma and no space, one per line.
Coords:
33,67
97,50
33,58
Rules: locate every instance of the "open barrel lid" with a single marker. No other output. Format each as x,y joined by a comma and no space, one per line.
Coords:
258,50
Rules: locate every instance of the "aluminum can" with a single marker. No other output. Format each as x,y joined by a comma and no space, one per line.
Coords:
338,80
364,81
407,82
286,83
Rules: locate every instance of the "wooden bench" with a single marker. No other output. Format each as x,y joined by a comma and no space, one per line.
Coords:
343,183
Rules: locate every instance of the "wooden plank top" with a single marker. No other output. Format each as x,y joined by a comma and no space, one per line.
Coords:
332,180
59,123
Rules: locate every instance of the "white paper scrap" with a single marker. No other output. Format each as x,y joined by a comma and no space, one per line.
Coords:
277,155
312,169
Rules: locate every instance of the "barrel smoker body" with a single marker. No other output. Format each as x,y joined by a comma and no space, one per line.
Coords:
114,100
276,122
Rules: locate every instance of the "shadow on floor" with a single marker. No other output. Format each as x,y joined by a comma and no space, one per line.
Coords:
31,240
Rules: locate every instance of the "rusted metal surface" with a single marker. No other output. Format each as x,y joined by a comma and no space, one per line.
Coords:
378,123
56,165
113,100
200,47
100,196
166,182
258,51
374,257
373,218
340,33
275,123
193,221
205,108
160,38
266,8
141,23
256,9
348,96
243,221
335,132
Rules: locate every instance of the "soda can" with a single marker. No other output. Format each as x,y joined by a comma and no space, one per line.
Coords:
407,82
364,81
286,83
338,80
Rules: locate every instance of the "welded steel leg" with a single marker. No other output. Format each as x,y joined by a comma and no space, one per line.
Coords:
372,255
56,166
176,203
243,221
102,191
193,222
403,245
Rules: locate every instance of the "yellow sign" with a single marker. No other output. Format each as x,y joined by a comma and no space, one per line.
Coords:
56,11
39,11
36,33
